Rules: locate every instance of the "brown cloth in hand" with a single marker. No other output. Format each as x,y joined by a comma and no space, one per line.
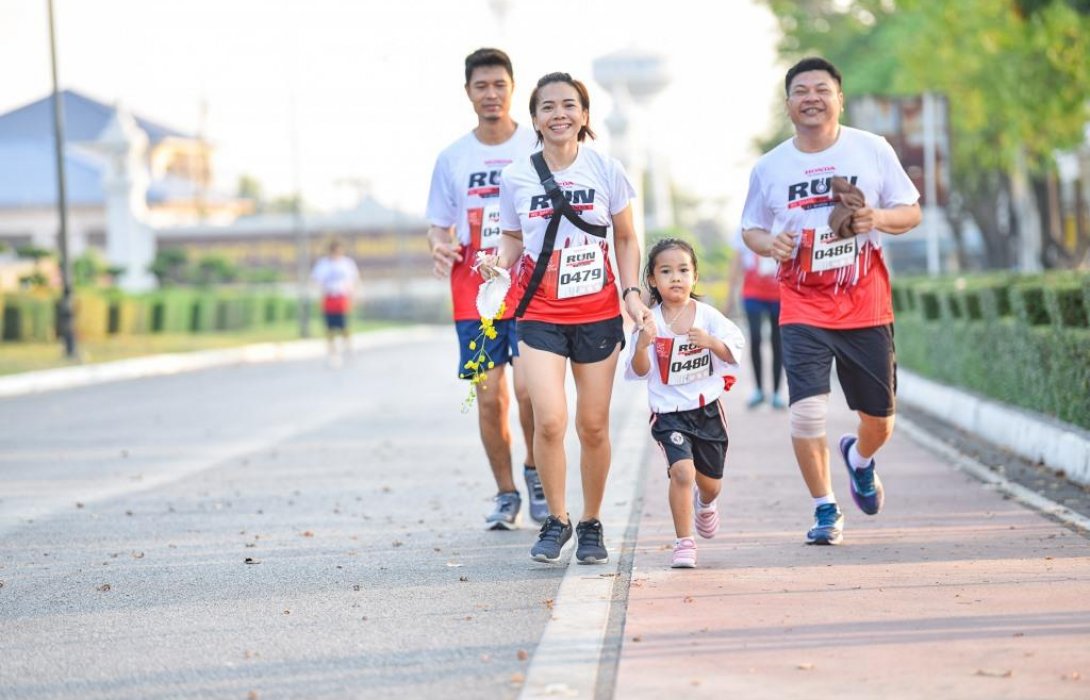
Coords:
849,199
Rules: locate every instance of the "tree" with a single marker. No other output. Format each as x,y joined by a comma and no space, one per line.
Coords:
1017,75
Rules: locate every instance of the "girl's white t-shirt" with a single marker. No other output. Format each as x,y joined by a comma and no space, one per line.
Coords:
682,376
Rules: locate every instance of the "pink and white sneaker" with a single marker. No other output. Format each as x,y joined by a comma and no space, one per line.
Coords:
705,517
684,554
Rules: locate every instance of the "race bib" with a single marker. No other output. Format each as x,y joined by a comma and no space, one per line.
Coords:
490,227
681,362
484,226
579,271
824,250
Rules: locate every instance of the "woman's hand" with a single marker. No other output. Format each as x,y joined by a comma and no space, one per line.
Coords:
488,265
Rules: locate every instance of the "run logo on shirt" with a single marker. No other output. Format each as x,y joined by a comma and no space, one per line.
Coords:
813,194
484,184
580,200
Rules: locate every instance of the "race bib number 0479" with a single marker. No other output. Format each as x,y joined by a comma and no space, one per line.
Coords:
581,271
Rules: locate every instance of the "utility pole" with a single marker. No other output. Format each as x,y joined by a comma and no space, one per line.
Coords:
64,310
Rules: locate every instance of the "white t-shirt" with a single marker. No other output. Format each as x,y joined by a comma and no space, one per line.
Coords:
578,285
682,376
336,276
595,185
831,283
465,194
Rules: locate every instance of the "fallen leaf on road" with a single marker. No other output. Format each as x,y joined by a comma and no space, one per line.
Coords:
687,599
1073,676
356,587
137,555
287,612
251,560
252,695
78,504
549,602
991,673
307,533
103,588
517,679
522,655
805,667
396,543
637,638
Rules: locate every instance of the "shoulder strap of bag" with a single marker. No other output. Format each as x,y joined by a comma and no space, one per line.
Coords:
561,206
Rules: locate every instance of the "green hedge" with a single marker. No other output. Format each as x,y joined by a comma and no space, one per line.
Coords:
1022,340
27,316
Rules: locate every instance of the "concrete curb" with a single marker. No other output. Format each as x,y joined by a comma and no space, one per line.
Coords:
1030,435
173,363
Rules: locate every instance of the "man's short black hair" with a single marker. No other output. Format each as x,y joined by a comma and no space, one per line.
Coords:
488,57
808,64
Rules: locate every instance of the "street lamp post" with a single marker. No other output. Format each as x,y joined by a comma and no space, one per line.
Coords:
64,311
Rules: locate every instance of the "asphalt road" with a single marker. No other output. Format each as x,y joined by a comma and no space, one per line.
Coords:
263,531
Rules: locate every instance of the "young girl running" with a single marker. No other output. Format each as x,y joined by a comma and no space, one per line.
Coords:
689,356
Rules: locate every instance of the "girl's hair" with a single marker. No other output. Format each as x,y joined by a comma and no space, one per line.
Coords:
660,246
580,89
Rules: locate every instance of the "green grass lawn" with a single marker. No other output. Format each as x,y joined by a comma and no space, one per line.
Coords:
25,357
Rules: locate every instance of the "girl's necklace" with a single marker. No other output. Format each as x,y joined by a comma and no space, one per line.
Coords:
670,323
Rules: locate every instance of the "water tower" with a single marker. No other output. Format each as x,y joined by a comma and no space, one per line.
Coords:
633,78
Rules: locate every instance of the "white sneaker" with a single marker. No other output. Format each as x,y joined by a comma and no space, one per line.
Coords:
705,518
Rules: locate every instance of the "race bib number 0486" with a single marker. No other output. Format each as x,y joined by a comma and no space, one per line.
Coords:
831,251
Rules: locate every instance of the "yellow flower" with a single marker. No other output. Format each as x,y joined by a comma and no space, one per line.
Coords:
473,345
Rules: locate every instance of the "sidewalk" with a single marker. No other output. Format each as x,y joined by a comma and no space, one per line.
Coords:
951,592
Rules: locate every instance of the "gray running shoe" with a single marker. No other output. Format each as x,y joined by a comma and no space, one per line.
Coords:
539,509
505,516
592,548
551,540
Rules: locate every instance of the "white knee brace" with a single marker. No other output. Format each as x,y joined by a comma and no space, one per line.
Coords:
808,417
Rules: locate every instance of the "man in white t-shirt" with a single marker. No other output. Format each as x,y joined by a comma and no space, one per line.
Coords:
835,300
463,209
337,275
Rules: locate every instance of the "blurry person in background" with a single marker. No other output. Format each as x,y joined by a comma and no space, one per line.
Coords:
337,275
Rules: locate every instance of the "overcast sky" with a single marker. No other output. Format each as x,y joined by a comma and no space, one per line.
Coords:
376,88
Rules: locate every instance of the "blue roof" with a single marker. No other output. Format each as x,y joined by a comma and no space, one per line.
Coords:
28,175
84,120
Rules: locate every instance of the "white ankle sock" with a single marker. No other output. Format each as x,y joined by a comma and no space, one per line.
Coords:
855,459
827,498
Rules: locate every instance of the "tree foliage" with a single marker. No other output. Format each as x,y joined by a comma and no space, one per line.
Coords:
1016,72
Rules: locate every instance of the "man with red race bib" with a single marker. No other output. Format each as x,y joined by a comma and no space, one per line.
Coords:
834,285
463,209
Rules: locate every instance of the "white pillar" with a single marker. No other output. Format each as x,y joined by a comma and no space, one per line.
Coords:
130,242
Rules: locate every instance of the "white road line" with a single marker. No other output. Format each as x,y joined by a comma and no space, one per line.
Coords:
566,662
978,470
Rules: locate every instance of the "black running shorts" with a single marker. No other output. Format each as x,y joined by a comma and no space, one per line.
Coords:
580,342
866,365
699,434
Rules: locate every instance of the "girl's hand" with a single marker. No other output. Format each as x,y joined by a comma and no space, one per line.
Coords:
702,339
648,331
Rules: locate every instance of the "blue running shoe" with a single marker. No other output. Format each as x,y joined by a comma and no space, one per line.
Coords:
828,525
592,546
539,509
505,516
551,540
867,491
